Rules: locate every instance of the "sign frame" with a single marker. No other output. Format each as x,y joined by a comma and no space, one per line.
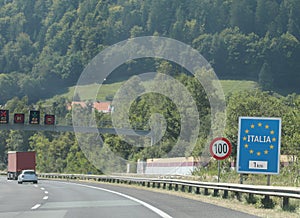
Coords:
6,116
224,140
19,118
49,119
258,146
34,117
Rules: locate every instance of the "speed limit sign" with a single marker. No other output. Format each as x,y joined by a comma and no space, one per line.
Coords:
220,148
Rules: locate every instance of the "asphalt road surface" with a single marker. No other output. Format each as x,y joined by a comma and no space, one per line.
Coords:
57,199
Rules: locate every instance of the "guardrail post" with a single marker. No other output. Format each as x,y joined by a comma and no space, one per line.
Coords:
206,191
153,184
176,187
285,203
164,185
238,195
225,194
190,189
197,191
170,186
216,191
182,188
158,185
251,198
267,202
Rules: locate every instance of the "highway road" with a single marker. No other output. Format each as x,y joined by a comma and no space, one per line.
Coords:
58,199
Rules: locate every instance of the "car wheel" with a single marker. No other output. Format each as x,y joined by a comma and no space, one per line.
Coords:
35,182
19,182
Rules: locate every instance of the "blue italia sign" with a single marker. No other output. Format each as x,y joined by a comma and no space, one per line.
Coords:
258,145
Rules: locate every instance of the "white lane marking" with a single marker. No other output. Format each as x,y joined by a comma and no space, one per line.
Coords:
46,192
45,198
36,186
35,207
43,188
154,209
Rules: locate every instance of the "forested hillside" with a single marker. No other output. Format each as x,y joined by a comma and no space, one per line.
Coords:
45,44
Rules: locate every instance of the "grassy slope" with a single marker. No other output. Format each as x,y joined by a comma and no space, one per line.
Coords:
229,86
89,90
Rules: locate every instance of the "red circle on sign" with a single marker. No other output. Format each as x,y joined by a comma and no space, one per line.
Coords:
49,119
220,148
19,118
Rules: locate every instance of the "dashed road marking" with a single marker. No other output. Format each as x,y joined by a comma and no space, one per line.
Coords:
35,206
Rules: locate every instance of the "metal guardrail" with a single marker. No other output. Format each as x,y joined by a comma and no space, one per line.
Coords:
191,186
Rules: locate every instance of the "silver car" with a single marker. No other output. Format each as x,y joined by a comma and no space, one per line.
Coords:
28,176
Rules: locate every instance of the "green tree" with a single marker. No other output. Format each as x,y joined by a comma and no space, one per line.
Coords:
265,14
17,141
8,86
78,163
293,20
290,126
253,104
242,15
40,144
265,78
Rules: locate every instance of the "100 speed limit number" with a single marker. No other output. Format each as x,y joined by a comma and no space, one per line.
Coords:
220,148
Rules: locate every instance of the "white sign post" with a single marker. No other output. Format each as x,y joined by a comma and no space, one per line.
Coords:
220,149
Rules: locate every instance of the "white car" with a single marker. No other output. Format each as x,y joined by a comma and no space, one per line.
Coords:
27,176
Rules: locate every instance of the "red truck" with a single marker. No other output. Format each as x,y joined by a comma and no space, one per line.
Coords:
18,161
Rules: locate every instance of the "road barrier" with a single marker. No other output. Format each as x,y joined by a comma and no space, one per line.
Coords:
191,186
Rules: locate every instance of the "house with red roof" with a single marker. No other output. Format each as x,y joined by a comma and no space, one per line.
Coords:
104,107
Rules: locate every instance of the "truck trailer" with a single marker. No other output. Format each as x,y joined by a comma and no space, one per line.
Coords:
18,161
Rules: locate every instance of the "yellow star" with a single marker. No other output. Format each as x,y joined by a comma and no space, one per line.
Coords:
266,151
274,139
267,126
272,132
251,151
271,146
246,145
252,126
258,153
245,138
259,124
246,131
